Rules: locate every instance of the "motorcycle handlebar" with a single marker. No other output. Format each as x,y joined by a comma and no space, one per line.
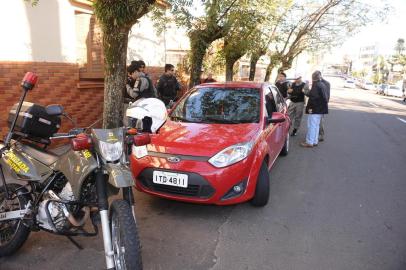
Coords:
62,136
71,134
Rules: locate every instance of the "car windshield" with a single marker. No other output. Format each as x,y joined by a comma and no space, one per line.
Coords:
219,105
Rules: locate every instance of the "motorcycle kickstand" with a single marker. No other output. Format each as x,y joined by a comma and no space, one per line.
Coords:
73,241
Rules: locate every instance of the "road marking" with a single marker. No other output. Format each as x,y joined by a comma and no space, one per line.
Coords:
373,104
401,119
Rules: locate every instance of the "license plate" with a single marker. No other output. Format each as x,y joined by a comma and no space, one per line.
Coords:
170,179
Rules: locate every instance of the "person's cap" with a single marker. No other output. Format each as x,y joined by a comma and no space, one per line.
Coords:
298,76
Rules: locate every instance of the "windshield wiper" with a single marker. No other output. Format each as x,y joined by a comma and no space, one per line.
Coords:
178,118
222,120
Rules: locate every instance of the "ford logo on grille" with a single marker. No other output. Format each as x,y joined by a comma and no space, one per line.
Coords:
173,159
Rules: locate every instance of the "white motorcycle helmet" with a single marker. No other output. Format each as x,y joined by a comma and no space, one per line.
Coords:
149,107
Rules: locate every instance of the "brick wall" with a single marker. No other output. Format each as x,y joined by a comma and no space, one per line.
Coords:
57,84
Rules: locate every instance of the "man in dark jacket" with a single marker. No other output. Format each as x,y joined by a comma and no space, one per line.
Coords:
168,86
327,95
316,107
282,84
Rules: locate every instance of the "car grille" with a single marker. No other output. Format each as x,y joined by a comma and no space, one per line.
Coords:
191,190
198,187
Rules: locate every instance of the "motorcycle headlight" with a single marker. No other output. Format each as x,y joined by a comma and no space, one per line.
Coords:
111,151
231,155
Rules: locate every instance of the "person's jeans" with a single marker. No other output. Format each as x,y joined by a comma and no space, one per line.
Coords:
313,125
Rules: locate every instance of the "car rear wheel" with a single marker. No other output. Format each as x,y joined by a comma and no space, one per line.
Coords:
261,196
285,149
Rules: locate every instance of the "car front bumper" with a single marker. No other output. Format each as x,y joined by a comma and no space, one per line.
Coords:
206,184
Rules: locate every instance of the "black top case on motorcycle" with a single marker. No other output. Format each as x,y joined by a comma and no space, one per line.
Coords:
34,122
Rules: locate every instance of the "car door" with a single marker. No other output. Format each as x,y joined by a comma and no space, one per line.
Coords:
270,129
281,128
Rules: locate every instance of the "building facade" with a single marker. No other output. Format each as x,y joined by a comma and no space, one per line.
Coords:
61,42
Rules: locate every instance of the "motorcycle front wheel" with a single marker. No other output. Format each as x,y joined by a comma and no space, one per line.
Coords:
124,237
13,233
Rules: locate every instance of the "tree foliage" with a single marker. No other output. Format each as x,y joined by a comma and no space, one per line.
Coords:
245,31
314,26
399,58
204,29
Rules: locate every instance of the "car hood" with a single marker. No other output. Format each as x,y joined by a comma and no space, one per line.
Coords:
198,139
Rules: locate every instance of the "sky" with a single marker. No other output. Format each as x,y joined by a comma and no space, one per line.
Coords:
382,34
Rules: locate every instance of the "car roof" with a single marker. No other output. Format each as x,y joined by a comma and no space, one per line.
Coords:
242,84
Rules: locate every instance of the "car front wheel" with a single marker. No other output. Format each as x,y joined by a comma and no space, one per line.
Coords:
261,196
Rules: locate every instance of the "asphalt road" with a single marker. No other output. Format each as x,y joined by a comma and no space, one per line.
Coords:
341,205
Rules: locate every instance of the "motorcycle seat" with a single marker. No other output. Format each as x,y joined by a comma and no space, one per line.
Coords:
46,157
60,150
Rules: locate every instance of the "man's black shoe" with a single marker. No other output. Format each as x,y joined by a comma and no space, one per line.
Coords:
294,132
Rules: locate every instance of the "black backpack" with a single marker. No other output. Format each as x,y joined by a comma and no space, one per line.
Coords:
150,92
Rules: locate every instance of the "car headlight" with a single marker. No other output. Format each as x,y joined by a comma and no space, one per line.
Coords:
111,151
231,155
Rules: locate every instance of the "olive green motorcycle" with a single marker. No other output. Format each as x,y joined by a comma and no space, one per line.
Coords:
66,191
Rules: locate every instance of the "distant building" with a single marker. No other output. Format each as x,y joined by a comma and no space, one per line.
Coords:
368,56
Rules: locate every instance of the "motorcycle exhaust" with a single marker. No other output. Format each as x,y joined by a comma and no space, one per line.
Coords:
68,215
81,222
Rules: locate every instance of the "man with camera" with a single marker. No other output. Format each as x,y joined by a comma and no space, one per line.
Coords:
296,105
138,85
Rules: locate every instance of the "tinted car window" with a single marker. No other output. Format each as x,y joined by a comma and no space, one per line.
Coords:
270,103
278,98
219,105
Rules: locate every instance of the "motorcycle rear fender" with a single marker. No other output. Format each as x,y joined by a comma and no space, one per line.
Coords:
119,175
76,166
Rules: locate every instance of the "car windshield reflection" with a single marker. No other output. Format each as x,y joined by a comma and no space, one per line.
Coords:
219,105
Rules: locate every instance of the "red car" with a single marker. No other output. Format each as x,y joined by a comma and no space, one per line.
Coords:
217,146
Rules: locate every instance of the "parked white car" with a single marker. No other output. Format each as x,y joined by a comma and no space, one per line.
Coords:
393,90
368,86
349,84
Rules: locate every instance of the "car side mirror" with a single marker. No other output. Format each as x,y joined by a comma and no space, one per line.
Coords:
276,117
55,110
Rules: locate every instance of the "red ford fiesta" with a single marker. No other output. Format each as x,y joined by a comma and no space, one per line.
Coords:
217,146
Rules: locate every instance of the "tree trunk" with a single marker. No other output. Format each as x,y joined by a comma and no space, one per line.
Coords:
230,69
285,66
268,73
198,50
253,66
115,52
